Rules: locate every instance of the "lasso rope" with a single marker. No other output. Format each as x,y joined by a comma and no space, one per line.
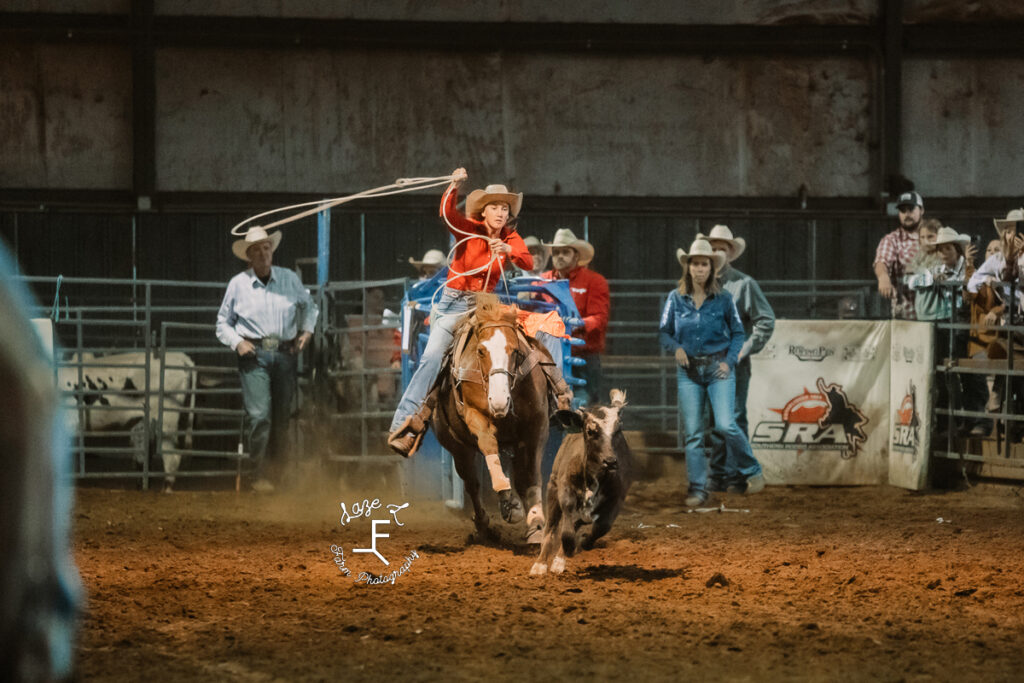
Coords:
400,186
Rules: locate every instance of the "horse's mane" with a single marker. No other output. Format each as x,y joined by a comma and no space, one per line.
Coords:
489,309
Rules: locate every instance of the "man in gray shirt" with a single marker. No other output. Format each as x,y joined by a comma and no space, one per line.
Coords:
758,323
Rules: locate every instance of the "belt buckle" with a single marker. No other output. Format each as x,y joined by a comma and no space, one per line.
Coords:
270,343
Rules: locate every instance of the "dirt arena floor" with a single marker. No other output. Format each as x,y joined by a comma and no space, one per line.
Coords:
813,584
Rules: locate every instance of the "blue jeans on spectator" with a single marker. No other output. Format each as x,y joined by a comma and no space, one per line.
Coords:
268,387
696,384
443,317
720,470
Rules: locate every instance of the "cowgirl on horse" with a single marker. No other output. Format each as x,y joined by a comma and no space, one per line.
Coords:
486,247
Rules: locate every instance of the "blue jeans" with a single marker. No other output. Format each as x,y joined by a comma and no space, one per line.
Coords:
443,317
268,387
696,385
719,460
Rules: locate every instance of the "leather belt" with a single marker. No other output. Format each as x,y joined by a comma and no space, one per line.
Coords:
710,359
272,344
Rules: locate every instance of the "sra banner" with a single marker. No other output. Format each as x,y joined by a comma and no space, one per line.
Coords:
818,407
911,376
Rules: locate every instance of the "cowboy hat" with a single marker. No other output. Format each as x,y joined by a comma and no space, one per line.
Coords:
478,199
433,257
254,235
701,247
737,245
1011,220
564,237
947,235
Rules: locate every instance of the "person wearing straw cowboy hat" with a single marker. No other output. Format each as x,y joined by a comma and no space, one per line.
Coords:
570,258
700,325
939,291
541,256
267,317
486,246
1011,253
758,320
431,262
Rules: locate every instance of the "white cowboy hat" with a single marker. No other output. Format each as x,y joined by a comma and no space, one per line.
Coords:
564,237
254,235
701,247
947,235
433,257
737,245
478,199
1012,218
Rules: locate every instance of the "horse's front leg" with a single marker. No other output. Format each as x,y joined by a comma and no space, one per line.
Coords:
526,475
486,435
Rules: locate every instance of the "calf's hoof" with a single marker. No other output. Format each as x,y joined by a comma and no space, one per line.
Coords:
511,507
538,569
558,565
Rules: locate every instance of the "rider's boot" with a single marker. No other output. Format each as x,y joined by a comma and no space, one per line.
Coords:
559,391
406,438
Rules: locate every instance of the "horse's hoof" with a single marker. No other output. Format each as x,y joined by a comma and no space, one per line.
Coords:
511,507
538,569
558,565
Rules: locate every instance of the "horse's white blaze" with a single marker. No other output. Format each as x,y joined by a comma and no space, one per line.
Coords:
499,395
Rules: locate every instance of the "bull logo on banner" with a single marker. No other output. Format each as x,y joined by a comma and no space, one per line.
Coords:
906,436
822,420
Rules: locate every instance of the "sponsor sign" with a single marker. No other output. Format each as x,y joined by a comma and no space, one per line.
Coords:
818,407
910,392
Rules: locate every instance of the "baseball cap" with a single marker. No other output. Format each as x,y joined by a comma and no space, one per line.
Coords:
910,199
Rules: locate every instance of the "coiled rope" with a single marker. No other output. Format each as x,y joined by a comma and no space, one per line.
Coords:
401,185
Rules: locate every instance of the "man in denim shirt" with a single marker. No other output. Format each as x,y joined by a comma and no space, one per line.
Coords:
700,324
267,317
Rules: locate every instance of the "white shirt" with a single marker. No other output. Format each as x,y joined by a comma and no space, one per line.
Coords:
992,269
252,310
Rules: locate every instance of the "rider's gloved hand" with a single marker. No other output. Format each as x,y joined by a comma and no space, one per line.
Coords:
573,323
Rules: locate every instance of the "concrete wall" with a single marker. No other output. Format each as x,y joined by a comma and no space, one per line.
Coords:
65,116
616,11
962,126
320,121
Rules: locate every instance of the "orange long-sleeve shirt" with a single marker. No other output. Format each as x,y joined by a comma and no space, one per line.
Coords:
476,253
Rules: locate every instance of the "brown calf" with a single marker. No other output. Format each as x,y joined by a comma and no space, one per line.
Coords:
589,481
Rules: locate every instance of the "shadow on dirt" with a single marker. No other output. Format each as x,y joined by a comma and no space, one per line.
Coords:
631,572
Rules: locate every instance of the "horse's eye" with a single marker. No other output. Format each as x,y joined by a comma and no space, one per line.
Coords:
480,352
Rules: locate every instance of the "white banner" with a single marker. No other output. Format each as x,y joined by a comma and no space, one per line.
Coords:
911,377
818,406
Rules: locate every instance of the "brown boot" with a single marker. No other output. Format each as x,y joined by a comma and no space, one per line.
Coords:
407,436
558,388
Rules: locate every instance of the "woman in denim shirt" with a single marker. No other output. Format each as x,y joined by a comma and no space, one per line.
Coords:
700,324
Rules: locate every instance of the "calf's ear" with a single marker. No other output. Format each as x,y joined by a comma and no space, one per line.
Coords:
570,420
617,397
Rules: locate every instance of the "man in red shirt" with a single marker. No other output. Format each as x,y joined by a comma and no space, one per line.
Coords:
569,259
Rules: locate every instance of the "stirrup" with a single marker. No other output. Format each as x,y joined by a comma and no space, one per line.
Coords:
406,439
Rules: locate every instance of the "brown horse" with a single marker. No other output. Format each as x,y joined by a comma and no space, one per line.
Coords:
493,398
